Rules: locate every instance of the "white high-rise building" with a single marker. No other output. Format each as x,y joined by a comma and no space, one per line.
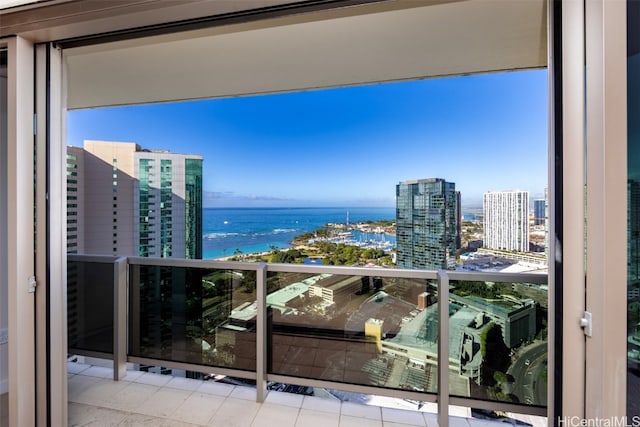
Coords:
506,220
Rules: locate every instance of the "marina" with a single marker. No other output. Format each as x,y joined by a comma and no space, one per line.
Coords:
365,240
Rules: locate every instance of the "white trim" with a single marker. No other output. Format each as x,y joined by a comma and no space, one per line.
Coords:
573,181
20,258
55,284
606,96
4,299
41,237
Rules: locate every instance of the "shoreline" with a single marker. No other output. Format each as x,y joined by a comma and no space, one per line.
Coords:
263,253
369,234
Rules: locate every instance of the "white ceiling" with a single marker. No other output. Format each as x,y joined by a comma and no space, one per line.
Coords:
364,44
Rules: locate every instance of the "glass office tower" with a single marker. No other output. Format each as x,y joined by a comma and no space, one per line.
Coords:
427,226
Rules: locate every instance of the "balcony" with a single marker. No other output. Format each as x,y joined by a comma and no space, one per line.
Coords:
353,346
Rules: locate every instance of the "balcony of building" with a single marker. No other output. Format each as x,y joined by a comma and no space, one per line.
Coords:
162,342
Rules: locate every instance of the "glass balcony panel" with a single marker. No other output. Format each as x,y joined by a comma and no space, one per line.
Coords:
90,292
498,341
193,315
359,330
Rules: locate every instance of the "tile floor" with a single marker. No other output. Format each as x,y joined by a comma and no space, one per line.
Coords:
158,400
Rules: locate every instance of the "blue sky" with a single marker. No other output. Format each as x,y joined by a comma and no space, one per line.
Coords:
348,146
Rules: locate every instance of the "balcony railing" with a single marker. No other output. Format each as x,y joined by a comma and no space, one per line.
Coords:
347,329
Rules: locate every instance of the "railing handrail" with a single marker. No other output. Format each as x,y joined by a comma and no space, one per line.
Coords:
106,259
524,277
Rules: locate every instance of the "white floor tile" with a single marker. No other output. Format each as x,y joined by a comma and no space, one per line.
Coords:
132,375
164,402
88,415
458,422
98,371
431,419
79,384
136,420
361,411
394,424
401,416
309,418
153,379
184,383
285,399
131,397
219,389
76,368
276,415
321,404
348,421
235,413
199,408
246,393
100,391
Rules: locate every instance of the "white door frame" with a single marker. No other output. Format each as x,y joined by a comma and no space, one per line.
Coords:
51,263
19,239
606,208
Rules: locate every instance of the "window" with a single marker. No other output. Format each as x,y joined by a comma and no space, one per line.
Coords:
439,214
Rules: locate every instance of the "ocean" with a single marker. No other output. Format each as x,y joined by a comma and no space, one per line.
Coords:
250,230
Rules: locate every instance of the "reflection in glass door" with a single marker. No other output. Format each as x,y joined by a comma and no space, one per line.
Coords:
4,345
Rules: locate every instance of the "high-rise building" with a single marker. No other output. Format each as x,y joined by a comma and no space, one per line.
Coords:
539,211
75,200
506,220
427,224
123,200
458,220
168,204
546,224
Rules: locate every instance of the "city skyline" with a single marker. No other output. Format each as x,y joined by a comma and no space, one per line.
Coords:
348,146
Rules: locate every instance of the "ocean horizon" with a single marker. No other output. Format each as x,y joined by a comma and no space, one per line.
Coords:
250,229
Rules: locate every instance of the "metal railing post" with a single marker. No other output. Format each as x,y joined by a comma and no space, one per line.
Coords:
261,333
443,349
119,318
